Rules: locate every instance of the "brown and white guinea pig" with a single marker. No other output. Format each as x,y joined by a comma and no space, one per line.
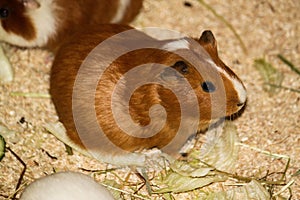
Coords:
66,186
118,90
47,23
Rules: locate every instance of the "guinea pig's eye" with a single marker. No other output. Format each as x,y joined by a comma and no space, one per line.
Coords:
182,67
208,87
4,13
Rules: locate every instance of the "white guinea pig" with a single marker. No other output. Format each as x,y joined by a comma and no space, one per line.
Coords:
47,23
66,186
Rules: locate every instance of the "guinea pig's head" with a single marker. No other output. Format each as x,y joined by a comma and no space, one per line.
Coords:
25,23
219,91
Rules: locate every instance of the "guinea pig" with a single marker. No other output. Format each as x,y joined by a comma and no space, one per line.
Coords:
65,186
117,90
48,23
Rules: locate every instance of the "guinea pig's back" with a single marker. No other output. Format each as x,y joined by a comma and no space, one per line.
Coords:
66,65
92,13
118,11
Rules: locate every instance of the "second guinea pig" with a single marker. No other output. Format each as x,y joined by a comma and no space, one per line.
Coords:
117,90
48,23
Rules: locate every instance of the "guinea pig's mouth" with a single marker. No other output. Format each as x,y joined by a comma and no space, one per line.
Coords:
238,113
216,118
205,125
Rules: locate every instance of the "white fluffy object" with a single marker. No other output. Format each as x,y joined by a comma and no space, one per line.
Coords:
66,186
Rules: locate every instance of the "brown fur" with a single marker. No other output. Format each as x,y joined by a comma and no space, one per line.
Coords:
71,56
77,14
17,23
71,16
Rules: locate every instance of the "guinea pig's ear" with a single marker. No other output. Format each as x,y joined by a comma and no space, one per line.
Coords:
31,4
209,43
175,72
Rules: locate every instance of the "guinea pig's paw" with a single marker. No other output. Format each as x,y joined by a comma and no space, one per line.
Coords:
156,159
66,186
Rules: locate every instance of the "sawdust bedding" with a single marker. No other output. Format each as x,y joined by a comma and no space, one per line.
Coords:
270,122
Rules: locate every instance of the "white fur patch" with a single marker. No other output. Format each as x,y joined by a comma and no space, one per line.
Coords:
176,45
123,4
240,89
43,20
116,158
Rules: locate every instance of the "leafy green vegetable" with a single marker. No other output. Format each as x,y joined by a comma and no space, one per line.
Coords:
220,150
270,75
113,184
178,183
188,169
201,168
252,190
